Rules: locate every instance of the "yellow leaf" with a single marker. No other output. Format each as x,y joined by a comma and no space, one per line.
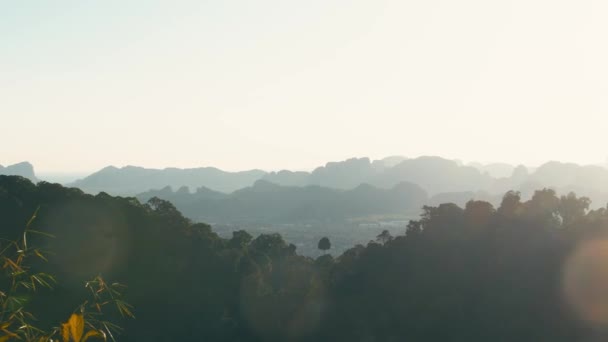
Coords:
76,323
9,334
65,332
12,264
93,333
4,338
40,255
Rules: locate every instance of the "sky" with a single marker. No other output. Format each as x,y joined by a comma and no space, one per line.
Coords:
280,84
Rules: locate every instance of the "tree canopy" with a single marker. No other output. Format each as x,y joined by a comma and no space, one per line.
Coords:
324,244
519,272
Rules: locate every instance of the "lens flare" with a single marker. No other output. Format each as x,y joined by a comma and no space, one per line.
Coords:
585,281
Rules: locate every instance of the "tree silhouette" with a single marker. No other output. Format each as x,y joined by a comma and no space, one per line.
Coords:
240,238
324,244
384,237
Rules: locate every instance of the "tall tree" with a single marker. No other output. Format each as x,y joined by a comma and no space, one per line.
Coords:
324,244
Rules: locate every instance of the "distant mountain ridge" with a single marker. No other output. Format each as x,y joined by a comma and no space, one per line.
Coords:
441,178
268,202
23,169
434,174
130,180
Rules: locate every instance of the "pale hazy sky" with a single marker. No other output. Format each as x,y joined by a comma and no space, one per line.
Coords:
293,84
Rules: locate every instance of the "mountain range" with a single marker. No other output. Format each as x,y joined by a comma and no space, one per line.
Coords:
266,202
131,180
434,174
440,178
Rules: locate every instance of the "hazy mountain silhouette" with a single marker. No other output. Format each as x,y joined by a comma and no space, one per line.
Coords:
443,180
288,178
496,170
23,169
269,202
434,174
131,180
388,162
346,174
567,174
450,181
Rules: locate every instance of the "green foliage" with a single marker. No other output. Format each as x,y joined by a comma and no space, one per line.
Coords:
476,273
21,283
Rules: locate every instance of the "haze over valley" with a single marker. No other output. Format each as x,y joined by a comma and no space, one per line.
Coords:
304,171
350,201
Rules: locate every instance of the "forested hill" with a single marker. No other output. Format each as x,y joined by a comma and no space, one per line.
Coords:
526,271
270,203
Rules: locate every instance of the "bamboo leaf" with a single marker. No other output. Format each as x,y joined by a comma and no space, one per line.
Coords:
12,264
29,223
76,323
10,334
124,309
93,333
41,233
105,324
65,332
40,255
